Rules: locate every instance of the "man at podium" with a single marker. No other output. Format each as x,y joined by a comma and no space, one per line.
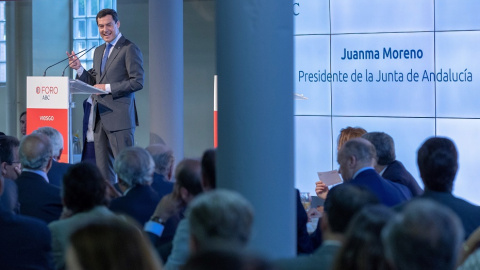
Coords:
117,70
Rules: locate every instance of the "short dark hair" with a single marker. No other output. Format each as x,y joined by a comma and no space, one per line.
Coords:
437,161
188,175
343,202
107,11
22,114
384,146
7,143
83,187
208,168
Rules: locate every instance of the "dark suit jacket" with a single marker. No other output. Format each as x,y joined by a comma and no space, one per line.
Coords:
124,72
38,198
468,213
161,185
25,244
139,203
397,173
9,198
388,192
56,173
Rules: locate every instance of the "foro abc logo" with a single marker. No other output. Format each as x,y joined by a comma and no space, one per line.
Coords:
47,90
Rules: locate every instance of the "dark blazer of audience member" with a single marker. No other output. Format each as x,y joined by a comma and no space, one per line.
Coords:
84,199
437,161
426,235
111,244
10,170
363,248
36,196
356,159
58,170
134,167
164,160
341,204
26,242
387,165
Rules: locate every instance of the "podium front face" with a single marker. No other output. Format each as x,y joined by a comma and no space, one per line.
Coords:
48,106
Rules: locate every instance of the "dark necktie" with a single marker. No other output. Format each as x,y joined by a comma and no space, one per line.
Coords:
105,57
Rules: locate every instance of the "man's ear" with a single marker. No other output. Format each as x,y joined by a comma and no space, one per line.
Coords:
324,225
170,173
352,161
193,244
59,155
49,164
3,169
184,194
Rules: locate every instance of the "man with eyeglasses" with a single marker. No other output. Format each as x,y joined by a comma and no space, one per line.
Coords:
10,169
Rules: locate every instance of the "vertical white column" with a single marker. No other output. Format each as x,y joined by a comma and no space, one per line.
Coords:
166,73
255,116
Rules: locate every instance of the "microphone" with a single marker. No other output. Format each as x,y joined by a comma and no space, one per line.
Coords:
45,72
78,58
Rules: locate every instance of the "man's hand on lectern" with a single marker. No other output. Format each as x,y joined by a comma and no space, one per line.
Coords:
73,61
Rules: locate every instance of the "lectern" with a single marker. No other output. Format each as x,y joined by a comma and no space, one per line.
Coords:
49,104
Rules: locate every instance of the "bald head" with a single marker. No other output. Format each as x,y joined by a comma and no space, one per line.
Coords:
163,157
36,152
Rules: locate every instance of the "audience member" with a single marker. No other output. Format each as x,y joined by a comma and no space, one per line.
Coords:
23,123
84,198
36,196
437,161
341,204
470,259
10,170
186,188
347,134
111,244
58,170
219,219
363,247
209,179
164,160
387,166
356,159
134,167
26,242
426,235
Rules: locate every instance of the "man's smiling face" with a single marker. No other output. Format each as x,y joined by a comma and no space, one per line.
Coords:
108,28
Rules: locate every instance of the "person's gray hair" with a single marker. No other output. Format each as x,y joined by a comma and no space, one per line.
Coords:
162,156
35,151
220,217
426,235
384,146
55,137
363,150
134,165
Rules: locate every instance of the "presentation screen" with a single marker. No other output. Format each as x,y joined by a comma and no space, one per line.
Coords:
408,68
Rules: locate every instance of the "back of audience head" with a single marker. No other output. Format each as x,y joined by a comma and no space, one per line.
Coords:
363,247
163,158
9,157
208,170
56,139
83,188
111,243
384,146
219,219
343,202
437,161
226,259
36,152
349,133
134,166
188,182
426,235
